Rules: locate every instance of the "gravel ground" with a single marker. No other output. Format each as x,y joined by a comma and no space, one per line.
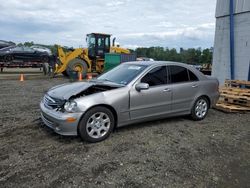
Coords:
175,152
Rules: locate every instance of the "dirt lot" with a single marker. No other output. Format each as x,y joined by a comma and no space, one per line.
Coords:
175,152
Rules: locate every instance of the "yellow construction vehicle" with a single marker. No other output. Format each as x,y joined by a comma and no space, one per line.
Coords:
90,59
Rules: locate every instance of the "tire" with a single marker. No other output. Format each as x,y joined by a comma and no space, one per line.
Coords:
200,109
78,65
8,58
96,125
45,59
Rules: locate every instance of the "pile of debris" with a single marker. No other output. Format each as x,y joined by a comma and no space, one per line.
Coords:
234,96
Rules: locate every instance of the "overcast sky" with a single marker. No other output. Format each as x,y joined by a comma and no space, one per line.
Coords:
167,23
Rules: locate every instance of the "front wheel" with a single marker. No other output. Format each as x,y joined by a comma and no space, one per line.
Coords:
200,109
77,65
96,125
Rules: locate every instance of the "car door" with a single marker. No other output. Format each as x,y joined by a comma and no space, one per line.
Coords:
154,101
184,85
17,53
29,54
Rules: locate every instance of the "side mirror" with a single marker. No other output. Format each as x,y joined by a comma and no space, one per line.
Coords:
141,86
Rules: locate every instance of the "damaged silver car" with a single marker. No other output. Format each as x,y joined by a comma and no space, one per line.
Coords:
130,93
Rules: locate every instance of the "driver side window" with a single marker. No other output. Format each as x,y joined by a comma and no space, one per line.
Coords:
156,76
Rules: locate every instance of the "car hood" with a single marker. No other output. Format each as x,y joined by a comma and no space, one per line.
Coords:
66,91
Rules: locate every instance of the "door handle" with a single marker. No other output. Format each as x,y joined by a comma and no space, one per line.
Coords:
194,86
167,90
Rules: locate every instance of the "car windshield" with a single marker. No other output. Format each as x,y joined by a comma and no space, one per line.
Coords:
122,74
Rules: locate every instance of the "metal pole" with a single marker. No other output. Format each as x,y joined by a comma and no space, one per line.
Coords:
232,60
249,72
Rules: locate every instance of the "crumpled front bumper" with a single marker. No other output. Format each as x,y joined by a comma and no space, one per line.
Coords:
57,121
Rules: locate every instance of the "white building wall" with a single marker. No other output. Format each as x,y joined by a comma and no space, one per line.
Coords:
222,7
221,56
242,45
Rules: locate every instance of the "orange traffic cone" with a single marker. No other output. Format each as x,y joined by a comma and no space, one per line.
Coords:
21,78
80,76
89,76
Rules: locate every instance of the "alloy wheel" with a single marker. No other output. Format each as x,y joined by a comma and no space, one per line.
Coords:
201,108
98,125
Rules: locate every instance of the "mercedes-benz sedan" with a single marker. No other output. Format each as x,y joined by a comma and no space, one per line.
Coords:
130,93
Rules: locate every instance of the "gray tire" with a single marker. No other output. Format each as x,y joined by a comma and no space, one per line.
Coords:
200,109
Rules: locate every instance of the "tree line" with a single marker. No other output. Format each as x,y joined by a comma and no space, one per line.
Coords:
189,56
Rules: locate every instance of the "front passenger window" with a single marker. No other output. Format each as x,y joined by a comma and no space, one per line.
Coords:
157,76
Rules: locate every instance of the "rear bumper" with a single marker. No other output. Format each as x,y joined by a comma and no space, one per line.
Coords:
214,99
57,121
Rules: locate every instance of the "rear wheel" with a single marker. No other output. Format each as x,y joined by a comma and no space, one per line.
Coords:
96,125
200,109
8,58
77,65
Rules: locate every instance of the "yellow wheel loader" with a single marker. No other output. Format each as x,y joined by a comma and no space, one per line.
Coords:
90,59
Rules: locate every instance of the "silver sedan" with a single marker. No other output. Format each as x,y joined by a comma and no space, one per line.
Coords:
130,93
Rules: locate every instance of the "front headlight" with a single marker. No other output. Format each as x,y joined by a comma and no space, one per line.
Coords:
70,106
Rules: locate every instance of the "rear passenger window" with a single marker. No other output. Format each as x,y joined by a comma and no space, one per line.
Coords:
178,74
157,76
192,76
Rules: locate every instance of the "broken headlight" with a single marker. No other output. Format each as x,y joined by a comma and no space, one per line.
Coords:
70,106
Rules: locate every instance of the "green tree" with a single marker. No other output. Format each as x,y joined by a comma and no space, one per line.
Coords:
190,56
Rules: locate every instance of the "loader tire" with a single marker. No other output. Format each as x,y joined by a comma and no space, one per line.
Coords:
77,65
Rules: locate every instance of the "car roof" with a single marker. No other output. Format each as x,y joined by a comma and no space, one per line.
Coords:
37,46
158,63
150,63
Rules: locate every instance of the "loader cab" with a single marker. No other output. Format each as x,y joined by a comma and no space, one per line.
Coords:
98,45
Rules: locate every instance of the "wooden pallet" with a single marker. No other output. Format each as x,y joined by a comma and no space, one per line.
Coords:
234,96
236,101
237,83
243,96
231,108
235,91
